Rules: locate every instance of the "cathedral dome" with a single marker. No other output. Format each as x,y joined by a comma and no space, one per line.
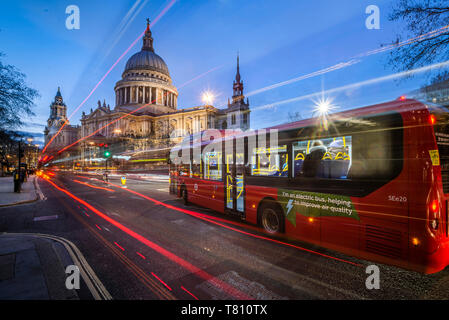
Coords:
147,60
146,81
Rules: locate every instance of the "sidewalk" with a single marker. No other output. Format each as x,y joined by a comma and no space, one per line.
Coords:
33,268
9,197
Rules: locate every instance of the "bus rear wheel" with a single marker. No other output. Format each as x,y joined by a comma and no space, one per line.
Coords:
271,218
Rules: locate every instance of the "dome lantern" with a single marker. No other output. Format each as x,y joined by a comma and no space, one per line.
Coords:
148,39
147,59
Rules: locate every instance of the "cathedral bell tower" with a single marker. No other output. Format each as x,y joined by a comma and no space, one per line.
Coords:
58,111
238,85
58,115
236,116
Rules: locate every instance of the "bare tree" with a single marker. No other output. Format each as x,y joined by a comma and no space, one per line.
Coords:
294,116
421,18
16,98
8,148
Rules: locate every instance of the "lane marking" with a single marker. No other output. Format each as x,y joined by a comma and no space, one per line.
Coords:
45,218
228,288
96,287
145,279
39,191
209,219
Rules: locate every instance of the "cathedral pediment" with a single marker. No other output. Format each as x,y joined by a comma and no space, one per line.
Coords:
98,113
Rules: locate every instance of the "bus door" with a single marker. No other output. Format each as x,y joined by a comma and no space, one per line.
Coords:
229,182
234,183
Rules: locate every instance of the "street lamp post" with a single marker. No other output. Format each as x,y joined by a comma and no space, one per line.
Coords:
29,144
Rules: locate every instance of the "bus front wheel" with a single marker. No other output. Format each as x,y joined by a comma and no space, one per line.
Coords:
271,218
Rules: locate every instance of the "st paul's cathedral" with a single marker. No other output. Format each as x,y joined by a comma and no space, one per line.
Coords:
146,115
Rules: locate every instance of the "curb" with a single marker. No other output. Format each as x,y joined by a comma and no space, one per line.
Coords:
95,286
25,201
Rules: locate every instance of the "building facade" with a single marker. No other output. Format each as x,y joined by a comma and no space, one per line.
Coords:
58,116
146,117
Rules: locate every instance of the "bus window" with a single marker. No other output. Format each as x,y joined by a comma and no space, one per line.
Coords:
196,169
373,156
267,163
325,158
184,169
212,166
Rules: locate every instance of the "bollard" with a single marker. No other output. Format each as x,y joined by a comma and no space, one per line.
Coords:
123,179
17,183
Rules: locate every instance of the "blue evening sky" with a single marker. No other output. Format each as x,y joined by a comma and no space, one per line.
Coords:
278,40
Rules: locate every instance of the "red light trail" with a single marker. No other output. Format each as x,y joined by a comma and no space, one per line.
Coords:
168,254
201,216
141,255
95,187
106,125
189,292
161,281
119,246
211,218
160,15
92,91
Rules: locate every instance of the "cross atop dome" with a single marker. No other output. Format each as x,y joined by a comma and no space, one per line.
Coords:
148,39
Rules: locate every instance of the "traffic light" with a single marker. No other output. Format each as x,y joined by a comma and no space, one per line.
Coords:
106,152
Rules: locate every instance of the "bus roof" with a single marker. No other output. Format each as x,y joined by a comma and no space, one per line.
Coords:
396,105
399,105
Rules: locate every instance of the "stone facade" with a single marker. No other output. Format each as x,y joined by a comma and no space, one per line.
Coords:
58,116
146,119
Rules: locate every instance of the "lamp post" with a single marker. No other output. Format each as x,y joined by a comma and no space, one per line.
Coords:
29,144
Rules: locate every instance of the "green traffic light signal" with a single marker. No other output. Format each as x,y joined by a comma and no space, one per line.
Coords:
107,154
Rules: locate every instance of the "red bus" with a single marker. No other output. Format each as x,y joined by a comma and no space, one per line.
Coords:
371,182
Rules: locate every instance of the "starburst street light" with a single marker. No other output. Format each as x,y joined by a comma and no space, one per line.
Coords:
323,106
208,97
